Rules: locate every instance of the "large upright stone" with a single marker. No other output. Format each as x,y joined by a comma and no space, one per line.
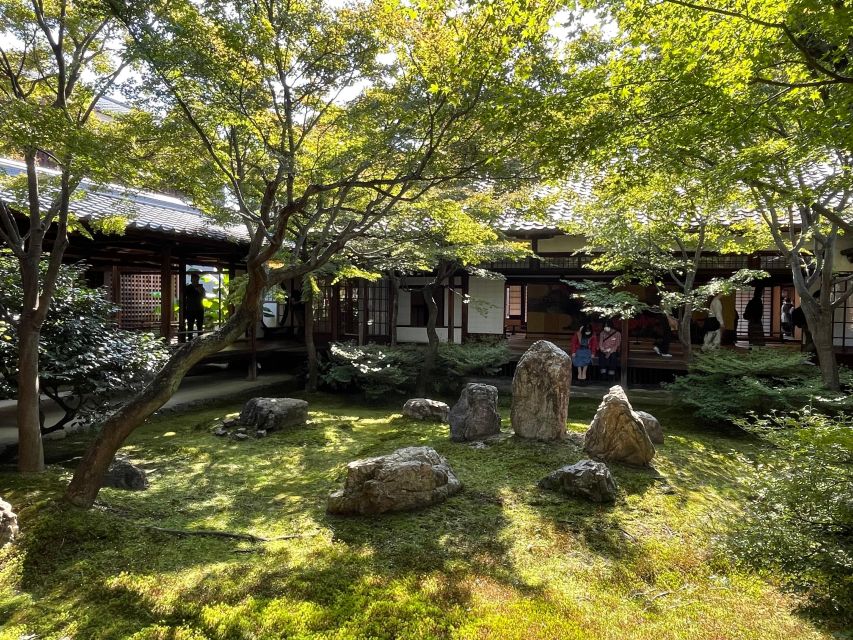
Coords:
652,425
426,409
587,479
475,415
617,432
540,392
406,479
8,523
269,414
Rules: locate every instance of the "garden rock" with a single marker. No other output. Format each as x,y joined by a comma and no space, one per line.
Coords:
426,409
220,431
540,392
123,475
475,415
587,479
8,523
271,414
617,432
652,425
406,479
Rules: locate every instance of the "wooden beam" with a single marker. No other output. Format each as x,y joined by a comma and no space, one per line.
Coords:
335,312
166,295
182,287
451,311
362,312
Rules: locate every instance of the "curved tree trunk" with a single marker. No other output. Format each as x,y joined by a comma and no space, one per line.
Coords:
86,483
310,346
820,327
431,355
684,333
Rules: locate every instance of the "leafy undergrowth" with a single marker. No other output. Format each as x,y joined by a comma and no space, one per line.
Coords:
502,559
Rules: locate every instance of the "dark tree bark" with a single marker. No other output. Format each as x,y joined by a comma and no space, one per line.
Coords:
431,355
310,346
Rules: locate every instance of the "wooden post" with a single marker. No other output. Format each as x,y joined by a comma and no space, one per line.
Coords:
335,312
182,287
465,293
253,363
623,355
451,311
115,291
166,296
362,312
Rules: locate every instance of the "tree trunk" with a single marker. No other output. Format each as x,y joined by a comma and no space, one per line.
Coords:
84,486
820,327
684,333
394,310
311,381
431,354
30,449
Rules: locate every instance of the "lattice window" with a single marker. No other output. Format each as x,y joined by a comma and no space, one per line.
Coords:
140,300
742,298
842,321
514,301
379,308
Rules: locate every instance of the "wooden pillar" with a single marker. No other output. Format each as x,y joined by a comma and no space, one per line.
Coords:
115,292
362,312
465,304
253,344
451,311
182,287
623,355
166,295
335,312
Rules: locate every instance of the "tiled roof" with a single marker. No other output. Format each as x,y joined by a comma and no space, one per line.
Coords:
146,211
558,214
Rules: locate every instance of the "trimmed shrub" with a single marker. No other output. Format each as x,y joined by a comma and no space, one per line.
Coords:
725,385
799,522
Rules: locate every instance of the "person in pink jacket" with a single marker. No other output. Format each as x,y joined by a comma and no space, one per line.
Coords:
609,346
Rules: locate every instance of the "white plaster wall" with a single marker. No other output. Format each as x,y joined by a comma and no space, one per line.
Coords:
486,309
560,244
418,334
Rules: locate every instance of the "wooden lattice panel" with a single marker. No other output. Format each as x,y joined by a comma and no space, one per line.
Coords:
139,299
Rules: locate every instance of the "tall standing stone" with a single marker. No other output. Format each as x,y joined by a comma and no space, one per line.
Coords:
475,415
617,432
540,392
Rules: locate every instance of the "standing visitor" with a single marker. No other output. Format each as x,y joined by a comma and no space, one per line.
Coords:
787,322
194,305
584,346
609,345
714,324
753,313
666,325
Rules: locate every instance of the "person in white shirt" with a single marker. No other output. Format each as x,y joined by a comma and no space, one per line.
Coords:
713,324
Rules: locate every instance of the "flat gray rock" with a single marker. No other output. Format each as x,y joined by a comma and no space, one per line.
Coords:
8,523
426,409
586,479
475,416
123,475
652,426
406,479
270,414
541,388
617,433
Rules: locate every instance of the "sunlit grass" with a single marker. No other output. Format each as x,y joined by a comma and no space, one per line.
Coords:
502,559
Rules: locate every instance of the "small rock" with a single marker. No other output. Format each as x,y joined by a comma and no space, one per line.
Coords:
479,444
261,433
231,422
124,475
540,392
426,409
475,415
587,479
242,430
652,425
241,436
274,413
406,479
617,432
8,523
220,431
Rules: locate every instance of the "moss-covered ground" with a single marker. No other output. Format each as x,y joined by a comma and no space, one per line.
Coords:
502,559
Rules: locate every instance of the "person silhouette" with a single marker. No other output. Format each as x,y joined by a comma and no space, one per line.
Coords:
194,305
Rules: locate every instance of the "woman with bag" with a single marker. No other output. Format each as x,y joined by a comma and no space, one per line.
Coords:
584,347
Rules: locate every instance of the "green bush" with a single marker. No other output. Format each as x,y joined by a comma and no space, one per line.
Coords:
380,370
799,524
725,385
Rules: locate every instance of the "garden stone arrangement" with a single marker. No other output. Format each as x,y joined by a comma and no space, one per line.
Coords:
617,433
652,426
426,409
586,479
475,416
124,475
259,416
8,523
406,479
540,392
